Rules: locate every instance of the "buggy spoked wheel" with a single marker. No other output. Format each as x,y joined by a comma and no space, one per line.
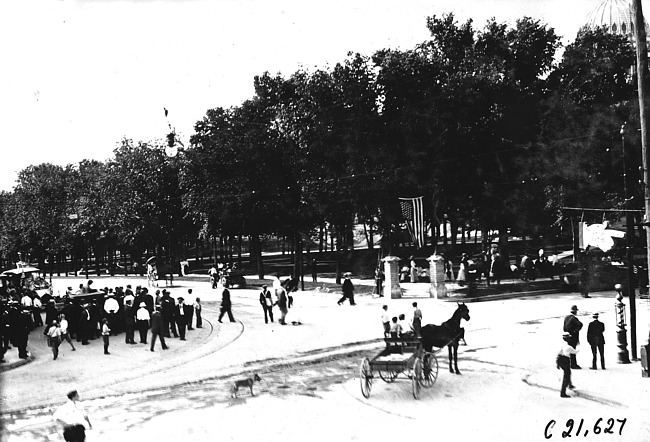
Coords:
416,377
388,376
365,377
429,370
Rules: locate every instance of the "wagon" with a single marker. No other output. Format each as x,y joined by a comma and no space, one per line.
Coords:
401,356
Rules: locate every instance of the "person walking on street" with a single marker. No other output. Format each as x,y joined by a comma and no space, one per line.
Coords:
417,319
181,316
54,338
596,339
197,311
226,305
65,332
73,418
563,361
106,334
157,329
36,312
348,290
572,325
143,317
266,300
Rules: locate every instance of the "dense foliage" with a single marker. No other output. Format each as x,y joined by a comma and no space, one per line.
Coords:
495,131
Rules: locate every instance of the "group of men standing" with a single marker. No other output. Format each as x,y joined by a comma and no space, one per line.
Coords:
566,358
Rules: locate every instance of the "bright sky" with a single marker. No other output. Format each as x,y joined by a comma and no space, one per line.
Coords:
79,75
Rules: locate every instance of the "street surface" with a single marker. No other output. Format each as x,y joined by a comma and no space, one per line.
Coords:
310,389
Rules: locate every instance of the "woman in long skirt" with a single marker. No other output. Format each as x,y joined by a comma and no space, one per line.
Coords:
462,272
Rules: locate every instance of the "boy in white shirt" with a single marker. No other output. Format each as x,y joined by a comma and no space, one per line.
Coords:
385,320
563,361
65,334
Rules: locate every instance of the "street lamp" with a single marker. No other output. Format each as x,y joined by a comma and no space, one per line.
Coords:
621,321
171,150
629,237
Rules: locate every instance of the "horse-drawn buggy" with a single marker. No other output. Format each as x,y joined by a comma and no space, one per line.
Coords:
402,356
414,356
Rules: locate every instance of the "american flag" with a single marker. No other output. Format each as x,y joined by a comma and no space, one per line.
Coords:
414,216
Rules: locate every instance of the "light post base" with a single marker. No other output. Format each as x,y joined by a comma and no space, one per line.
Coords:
623,354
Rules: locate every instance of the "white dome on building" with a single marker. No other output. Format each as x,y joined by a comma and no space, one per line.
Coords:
616,15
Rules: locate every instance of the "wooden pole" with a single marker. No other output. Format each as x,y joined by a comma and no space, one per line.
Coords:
642,75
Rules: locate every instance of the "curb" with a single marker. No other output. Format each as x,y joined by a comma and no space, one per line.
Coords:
11,365
501,296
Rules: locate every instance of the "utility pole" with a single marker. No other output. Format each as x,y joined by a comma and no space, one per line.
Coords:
642,75
629,240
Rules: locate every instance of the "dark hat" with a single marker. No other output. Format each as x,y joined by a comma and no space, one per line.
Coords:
595,315
574,308
180,298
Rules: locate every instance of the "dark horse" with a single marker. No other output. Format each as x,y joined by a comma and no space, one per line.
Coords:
448,333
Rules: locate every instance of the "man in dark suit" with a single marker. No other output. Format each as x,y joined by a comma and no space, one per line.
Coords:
84,325
189,308
167,304
266,300
181,316
157,329
148,299
596,339
226,305
572,325
129,322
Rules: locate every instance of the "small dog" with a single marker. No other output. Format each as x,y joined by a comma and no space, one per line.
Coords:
245,383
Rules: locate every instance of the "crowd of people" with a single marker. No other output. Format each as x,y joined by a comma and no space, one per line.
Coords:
98,314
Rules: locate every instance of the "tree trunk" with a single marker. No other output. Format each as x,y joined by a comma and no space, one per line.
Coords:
453,227
239,251
503,246
321,235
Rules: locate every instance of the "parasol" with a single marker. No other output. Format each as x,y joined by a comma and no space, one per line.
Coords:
150,260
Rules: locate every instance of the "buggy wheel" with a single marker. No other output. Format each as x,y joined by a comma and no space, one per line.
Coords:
429,370
416,377
365,377
388,376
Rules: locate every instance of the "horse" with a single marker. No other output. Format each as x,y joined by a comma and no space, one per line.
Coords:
448,333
